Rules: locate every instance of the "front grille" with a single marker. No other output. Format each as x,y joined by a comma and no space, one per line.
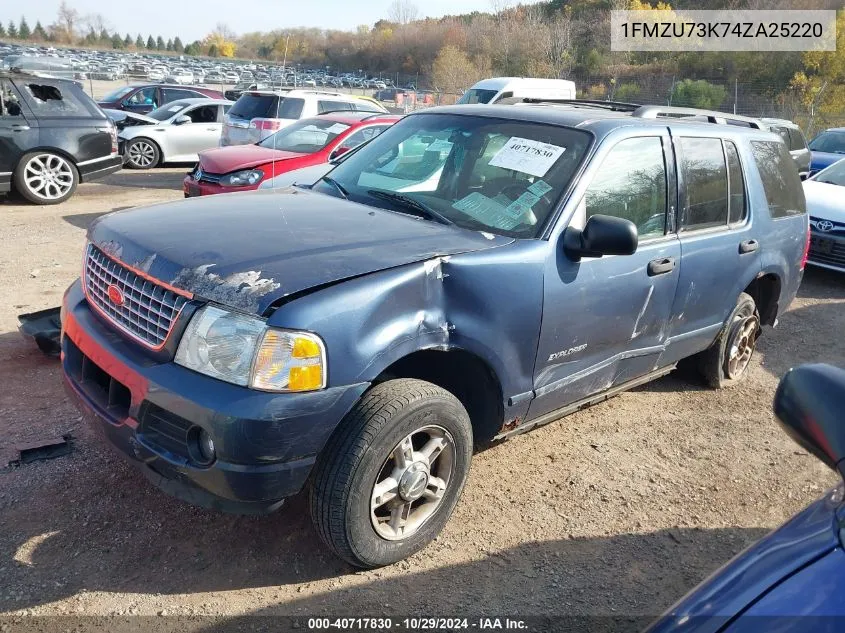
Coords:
831,254
202,176
164,430
148,311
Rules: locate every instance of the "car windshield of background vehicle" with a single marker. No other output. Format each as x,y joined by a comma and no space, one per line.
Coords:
480,173
118,94
167,111
476,95
305,137
833,142
833,175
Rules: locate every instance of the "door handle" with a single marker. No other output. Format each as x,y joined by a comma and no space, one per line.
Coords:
661,266
748,246
19,127
212,129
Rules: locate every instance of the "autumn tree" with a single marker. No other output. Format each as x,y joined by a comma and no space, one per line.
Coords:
67,21
453,71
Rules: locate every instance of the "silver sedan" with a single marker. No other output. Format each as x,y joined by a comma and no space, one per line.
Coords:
174,133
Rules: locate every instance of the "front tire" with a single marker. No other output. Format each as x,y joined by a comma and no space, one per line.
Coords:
142,153
727,360
46,178
389,479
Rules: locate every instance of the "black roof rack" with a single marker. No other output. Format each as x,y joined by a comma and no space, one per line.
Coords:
615,106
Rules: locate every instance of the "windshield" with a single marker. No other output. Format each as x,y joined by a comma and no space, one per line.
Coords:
833,175
481,173
306,136
833,142
118,94
168,110
476,95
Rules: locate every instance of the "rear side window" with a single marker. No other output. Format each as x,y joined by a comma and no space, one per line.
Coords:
736,183
50,100
253,106
706,179
172,94
332,106
796,140
780,179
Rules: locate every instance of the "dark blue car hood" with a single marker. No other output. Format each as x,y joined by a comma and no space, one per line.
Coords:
805,538
252,249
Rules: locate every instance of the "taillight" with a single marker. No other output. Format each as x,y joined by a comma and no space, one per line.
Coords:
268,124
806,250
114,146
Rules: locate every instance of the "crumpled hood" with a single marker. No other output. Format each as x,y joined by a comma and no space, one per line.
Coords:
247,250
223,160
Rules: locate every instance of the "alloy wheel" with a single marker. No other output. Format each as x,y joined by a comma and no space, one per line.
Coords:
48,176
141,154
742,346
412,482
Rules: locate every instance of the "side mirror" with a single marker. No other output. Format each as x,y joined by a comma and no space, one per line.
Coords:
182,119
808,405
340,151
603,235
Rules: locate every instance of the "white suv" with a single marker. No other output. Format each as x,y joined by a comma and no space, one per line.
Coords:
260,113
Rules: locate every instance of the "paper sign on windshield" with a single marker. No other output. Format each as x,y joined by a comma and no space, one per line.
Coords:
527,156
487,211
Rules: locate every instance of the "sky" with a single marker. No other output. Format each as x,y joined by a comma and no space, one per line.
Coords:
193,19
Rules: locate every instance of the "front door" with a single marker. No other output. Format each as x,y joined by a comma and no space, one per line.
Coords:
203,132
605,319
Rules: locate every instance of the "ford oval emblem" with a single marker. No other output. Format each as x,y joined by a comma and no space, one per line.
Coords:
116,295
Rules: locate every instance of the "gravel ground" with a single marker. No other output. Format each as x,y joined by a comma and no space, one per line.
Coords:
616,510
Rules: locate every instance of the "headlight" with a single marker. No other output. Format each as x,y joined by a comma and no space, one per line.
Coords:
242,350
241,178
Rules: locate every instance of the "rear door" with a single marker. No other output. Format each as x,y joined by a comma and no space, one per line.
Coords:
720,246
605,319
18,131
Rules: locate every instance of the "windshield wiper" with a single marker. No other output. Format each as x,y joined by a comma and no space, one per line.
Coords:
411,203
334,183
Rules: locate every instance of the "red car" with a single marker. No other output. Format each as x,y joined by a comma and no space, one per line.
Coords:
302,144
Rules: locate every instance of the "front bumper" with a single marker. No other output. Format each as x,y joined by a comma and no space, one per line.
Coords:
827,250
266,444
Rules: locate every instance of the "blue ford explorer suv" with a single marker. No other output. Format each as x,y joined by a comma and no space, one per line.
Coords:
472,273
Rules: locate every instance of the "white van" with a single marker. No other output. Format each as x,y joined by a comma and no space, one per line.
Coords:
499,88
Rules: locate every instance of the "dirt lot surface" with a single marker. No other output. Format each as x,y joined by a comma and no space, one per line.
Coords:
616,510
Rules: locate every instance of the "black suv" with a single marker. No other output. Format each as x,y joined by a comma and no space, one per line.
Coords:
52,137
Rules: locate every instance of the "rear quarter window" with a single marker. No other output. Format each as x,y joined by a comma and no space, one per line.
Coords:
796,140
48,100
780,179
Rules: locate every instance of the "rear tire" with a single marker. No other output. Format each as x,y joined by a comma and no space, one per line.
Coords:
389,479
46,178
142,153
727,360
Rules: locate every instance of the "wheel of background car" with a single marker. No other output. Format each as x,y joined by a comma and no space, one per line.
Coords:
726,361
46,178
142,153
389,478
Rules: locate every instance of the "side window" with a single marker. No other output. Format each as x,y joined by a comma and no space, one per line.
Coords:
631,184
796,140
332,106
781,132
736,184
706,180
203,114
145,96
362,136
10,106
172,94
780,179
50,100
